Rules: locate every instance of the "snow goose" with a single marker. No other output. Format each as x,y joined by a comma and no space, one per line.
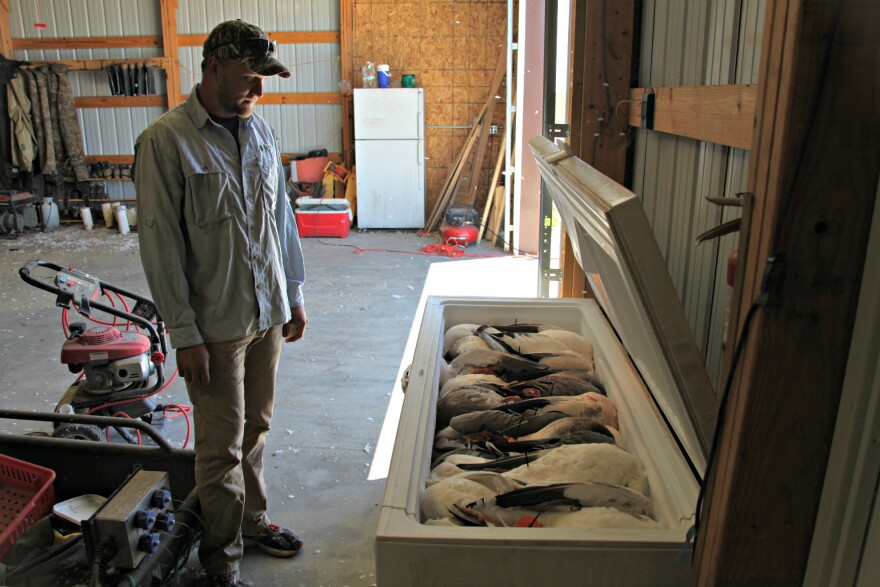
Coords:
462,489
465,400
596,518
504,365
486,380
573,382
585,463
454,333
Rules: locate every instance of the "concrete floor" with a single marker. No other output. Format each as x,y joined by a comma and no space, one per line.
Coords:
334,386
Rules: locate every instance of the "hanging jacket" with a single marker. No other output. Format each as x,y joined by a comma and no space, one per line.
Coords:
24,140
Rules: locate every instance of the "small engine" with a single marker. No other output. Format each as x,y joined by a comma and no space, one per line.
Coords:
17,213
461,215
460,226
111,359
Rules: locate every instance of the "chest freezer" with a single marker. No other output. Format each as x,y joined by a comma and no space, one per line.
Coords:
646,357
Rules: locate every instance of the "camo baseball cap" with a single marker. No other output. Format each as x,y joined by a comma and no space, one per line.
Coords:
236,39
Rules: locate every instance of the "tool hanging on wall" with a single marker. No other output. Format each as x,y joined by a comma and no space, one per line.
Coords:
126,79
130,79
113,79
150,82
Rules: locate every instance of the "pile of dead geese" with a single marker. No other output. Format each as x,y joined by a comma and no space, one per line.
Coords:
527,437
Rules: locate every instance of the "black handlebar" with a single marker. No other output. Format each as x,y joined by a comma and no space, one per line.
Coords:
64,299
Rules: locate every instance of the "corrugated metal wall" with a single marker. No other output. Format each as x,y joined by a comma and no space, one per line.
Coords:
112,131
315,68
684,43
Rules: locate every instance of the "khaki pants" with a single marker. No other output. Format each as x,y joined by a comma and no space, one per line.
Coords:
232,417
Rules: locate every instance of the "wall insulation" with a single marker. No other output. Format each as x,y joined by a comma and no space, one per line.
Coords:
112,131
689,43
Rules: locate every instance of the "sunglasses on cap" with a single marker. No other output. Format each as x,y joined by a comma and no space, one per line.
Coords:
251,47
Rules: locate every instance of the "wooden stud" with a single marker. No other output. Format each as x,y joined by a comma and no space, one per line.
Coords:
142,41
111,159
141,101
6,46
490,196
100,64
497,220
119,101
718,114
346,35
301,98
602,63
171,51
602,49
485,123
129,159
282,38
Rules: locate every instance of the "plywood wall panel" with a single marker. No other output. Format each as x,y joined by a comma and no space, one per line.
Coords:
452,48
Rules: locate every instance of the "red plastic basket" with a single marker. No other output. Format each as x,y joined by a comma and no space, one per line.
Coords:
26,495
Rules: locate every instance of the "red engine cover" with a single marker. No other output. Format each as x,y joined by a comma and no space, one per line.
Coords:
103,343
459,235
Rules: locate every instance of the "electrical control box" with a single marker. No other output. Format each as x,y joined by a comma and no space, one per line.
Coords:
134,519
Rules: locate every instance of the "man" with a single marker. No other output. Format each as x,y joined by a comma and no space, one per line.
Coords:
222,256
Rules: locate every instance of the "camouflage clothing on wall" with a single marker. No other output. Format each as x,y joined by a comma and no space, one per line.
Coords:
59,136
23,145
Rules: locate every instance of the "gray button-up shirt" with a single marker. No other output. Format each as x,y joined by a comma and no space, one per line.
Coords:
218,239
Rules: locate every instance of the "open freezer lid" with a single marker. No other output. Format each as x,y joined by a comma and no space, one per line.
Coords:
616,248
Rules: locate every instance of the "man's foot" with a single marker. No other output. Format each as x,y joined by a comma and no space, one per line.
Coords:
224,580
276,541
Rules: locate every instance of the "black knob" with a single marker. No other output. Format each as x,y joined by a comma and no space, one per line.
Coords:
149,543
164,521
161,498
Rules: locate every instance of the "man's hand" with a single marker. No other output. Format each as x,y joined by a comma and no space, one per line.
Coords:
293,331
192,364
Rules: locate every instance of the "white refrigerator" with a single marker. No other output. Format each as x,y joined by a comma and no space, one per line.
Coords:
389,133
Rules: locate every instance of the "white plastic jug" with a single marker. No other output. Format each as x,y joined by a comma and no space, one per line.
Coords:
86,214
368,74
122,219
131,213
49,214
107,212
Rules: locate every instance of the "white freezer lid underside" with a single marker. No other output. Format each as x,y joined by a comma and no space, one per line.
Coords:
611,237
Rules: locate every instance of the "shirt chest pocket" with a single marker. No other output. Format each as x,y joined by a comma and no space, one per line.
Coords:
208,196
268,163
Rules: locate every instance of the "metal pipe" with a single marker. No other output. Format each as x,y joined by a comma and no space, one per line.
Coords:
101,421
